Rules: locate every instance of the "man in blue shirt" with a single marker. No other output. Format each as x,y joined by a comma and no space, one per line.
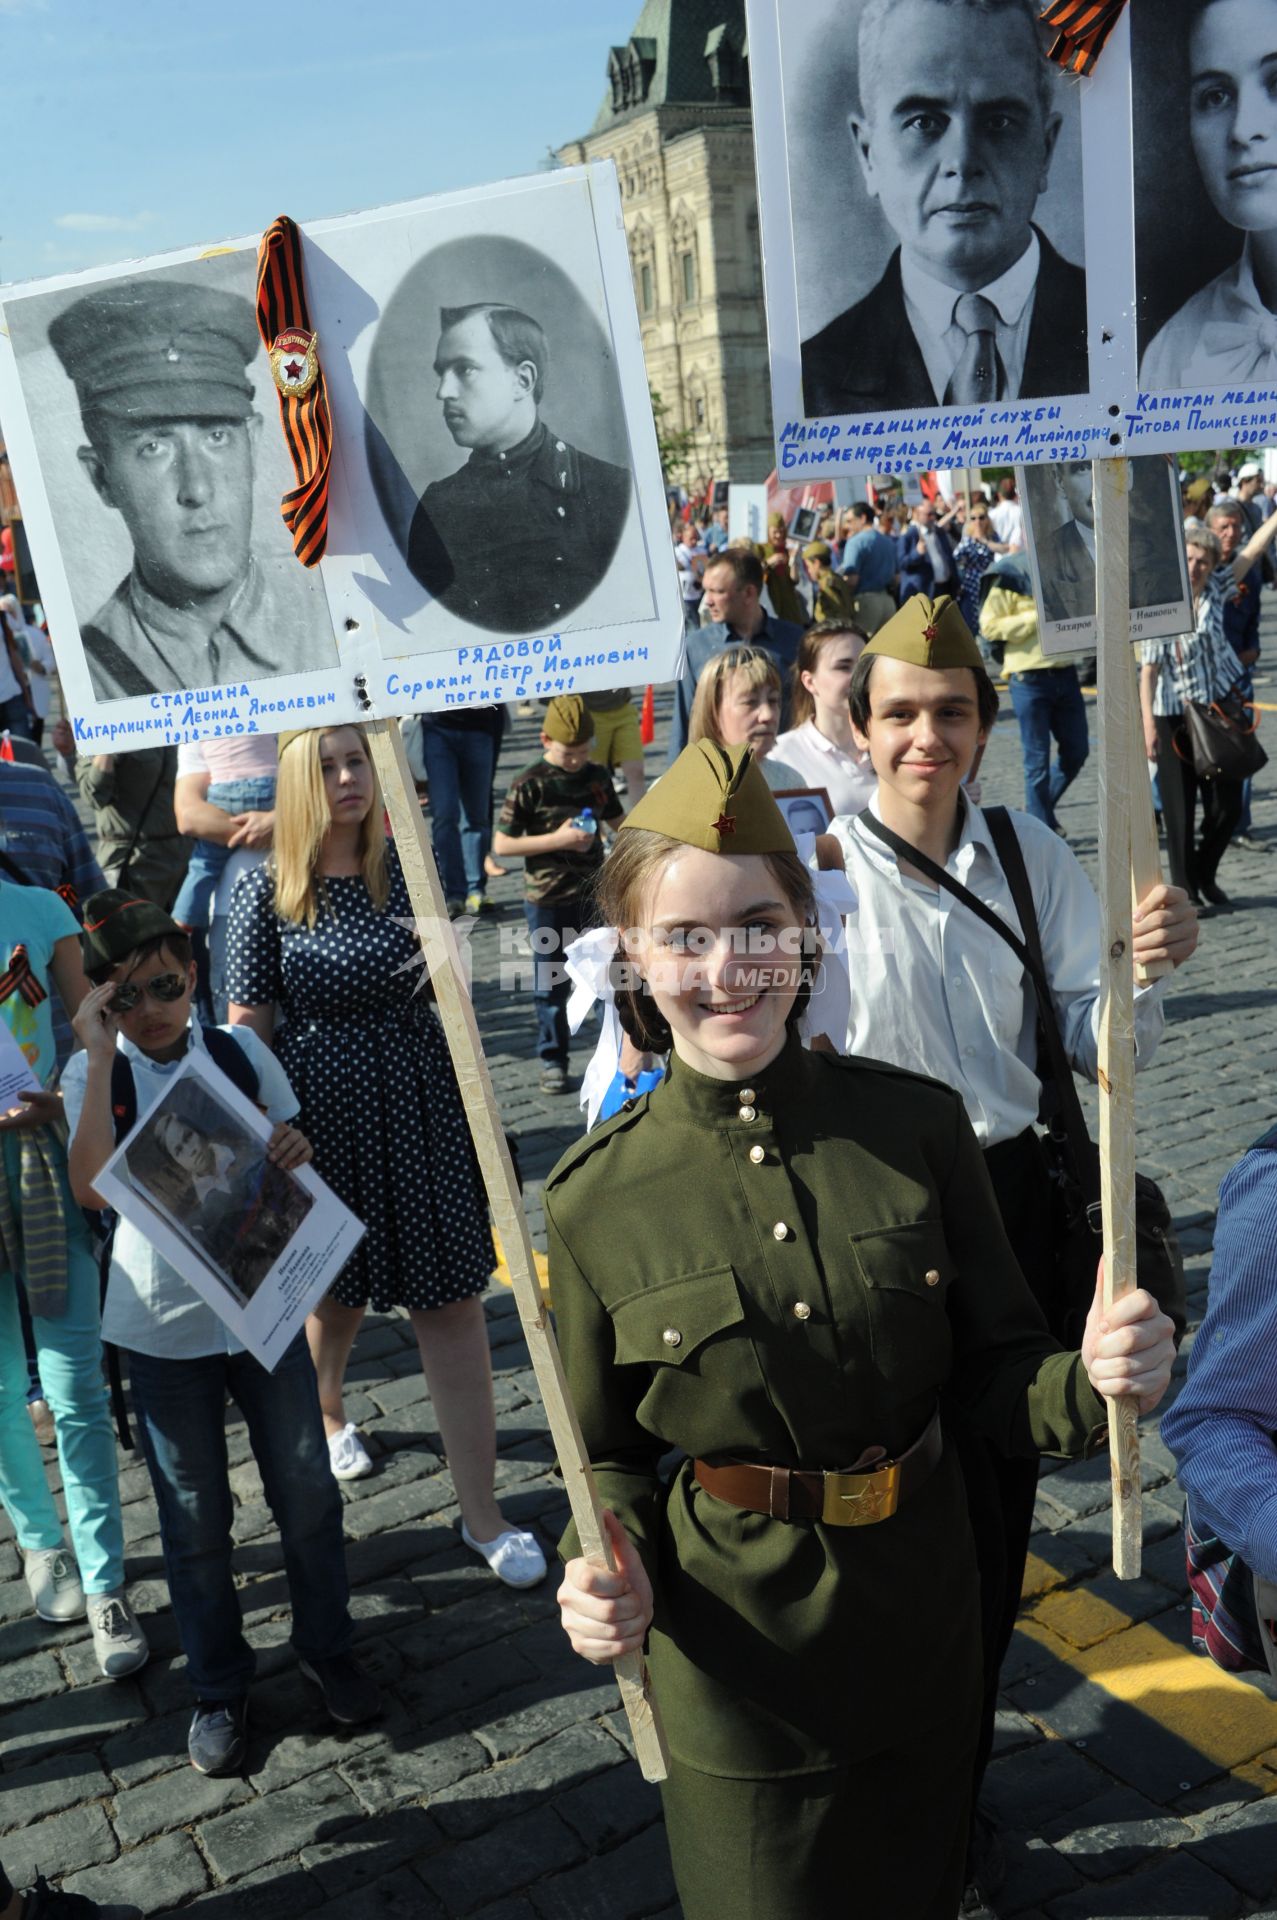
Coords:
733,589
924,555
869,567
41,835
1221,1428
40,831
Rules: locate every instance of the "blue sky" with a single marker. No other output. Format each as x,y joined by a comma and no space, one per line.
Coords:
132,126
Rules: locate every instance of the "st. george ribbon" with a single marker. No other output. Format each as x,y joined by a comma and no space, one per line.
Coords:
1084,26
283,320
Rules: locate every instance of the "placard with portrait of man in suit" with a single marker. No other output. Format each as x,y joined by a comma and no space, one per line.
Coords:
1059,521
920,161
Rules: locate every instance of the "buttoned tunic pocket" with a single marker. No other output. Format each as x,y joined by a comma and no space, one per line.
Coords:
906,1270
690,1332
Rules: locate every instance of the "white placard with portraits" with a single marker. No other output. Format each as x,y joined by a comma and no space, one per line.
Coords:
1059,529
1137,229
497,518
260,1245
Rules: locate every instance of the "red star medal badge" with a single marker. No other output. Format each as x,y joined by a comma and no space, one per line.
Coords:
294,361
725,823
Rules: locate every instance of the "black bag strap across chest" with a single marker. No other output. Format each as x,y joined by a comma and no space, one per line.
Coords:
224,1051
1027,950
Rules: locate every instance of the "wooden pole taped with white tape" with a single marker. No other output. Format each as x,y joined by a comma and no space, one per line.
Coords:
1119,767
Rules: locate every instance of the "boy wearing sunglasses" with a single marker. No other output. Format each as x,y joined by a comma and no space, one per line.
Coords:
183,1360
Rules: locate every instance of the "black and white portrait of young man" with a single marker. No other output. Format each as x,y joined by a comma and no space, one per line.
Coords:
496,437
156,427
522,533
935,183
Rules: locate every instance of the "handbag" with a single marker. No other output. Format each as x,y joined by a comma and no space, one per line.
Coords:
1234,1611
1220,738
1072,1158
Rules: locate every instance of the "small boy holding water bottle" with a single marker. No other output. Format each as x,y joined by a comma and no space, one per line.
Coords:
552,820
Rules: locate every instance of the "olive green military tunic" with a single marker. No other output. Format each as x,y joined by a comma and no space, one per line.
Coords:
789,1270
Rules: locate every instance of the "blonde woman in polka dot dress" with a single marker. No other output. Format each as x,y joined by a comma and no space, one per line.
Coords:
322,936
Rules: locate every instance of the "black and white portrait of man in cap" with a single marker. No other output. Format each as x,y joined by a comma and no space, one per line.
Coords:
169,440
520,535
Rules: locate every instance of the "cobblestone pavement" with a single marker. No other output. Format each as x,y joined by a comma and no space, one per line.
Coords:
1133,1780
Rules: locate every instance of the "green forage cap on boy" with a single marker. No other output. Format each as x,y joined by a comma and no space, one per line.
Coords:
569,721
117,923
715,798
927,633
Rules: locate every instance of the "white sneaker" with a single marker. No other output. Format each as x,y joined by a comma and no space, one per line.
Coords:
53,1581
514,1556
118,1640
347,1455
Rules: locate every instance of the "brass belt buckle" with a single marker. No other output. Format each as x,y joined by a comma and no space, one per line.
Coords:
859,1499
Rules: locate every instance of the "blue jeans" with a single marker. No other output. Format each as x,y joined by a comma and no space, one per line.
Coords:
15,716
208,857
553,925
459,766
181,1416
69,1349
1048,703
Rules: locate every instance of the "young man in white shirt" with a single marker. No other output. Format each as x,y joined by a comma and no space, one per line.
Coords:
936,990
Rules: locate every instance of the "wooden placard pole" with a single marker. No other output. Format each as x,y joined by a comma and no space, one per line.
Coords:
456,1011
1118,721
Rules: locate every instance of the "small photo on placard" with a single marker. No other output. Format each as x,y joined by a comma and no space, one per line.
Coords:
806,809
1059,525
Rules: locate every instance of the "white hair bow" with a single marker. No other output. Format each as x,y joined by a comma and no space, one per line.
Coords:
588,963
828,1011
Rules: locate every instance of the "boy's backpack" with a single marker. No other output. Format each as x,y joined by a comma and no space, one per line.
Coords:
229,1058
1234,1614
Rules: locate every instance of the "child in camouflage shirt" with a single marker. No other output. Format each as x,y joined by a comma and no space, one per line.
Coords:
561,861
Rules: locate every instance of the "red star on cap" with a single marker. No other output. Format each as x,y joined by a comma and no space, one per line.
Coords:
928,633
725,823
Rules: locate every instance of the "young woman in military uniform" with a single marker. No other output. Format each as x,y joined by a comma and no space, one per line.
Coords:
774,1262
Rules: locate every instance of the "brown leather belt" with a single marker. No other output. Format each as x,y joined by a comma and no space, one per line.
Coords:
867,1492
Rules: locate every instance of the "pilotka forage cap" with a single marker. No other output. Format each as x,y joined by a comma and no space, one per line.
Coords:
818,550
715,798
927,633
152,349
117,923
568,720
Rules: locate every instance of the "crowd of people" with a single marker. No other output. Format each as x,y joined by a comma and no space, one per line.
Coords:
830,1357
864,561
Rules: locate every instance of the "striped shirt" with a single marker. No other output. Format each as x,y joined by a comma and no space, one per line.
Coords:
1196,666
41,833
1221,1429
